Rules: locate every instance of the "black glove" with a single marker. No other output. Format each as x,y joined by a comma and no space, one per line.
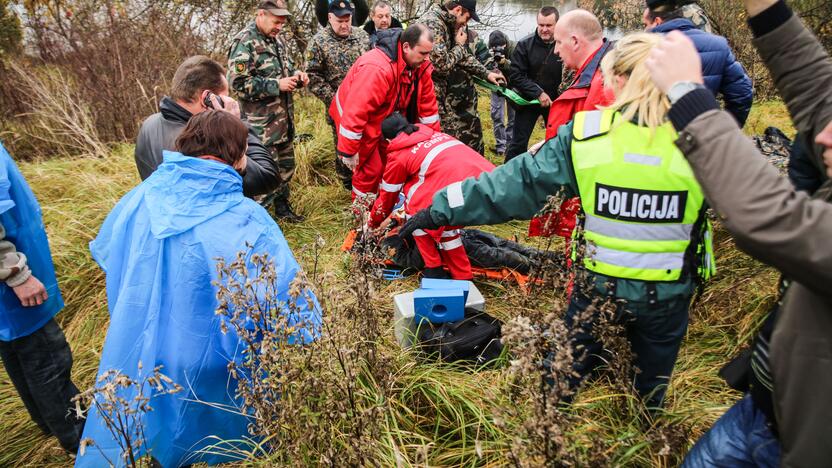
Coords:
421,220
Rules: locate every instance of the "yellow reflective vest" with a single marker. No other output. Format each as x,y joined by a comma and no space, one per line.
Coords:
644,210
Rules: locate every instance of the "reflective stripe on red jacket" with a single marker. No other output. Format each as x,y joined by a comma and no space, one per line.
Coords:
377,84
421,164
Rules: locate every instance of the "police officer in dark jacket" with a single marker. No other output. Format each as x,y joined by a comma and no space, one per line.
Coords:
535,73
199,84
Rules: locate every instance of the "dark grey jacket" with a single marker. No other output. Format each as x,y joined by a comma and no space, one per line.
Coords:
780,226
160,130
535,68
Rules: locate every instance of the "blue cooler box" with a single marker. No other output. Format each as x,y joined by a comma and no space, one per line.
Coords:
430,283
439,305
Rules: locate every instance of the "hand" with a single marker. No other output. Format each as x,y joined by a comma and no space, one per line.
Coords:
536,147
755,7
673,60
31,293
304,78
824,138
545,100
461,37
229,105
497,78
421,220
351,162
288,84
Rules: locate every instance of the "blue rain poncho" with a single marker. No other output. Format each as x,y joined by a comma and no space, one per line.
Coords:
158,248
20,215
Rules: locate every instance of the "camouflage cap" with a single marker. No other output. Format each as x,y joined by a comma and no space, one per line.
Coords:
275,7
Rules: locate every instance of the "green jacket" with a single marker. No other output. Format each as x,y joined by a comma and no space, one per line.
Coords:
519,189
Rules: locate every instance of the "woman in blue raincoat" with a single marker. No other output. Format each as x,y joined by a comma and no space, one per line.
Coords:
158,248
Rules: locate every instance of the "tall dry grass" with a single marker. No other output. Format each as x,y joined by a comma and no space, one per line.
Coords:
430,413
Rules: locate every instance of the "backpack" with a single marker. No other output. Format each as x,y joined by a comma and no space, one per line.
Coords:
472,340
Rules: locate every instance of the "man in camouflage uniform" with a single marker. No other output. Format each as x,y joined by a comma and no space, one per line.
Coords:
261,73
452,52
332,52
462,96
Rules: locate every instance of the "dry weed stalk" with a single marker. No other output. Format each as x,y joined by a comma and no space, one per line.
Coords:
124,418
322,402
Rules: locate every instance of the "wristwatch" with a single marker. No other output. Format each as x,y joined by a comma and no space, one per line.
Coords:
680,89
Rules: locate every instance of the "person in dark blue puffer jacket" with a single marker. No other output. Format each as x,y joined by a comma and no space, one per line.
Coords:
722,72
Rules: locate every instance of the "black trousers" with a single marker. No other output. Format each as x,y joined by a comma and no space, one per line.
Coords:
655,333
525,118
39,365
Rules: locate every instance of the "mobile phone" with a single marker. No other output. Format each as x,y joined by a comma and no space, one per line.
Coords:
209,102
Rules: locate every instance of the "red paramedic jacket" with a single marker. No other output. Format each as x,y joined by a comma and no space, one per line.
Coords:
421,164
378,84
586,93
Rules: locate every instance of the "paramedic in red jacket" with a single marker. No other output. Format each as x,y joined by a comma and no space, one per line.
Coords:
420,162
394,76
580,42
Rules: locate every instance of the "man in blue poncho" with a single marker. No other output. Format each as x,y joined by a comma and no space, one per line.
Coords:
32,346
158,248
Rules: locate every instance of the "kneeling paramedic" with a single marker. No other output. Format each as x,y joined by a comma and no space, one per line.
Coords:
420,162
645,235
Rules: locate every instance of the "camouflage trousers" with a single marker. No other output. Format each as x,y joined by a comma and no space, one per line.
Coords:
464,126
459,117
284,156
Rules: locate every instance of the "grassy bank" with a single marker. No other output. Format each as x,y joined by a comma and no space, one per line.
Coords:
456,424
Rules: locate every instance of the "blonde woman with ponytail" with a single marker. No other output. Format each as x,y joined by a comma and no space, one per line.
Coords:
636,97
644,241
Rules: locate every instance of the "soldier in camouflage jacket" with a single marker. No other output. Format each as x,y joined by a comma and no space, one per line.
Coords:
451,52
331,53
462,97
262,75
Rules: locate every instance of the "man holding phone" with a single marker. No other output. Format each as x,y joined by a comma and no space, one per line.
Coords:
262,74
198,85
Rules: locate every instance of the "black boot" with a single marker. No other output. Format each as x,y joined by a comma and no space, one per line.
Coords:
436,273
283,212
344,174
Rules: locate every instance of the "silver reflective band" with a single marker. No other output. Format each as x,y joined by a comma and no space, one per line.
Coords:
358,192
390,187
451,233
640,261
451,244
642,159
423,169
338,104
429,119
455,197
349,134
592,123
638,232
419,232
